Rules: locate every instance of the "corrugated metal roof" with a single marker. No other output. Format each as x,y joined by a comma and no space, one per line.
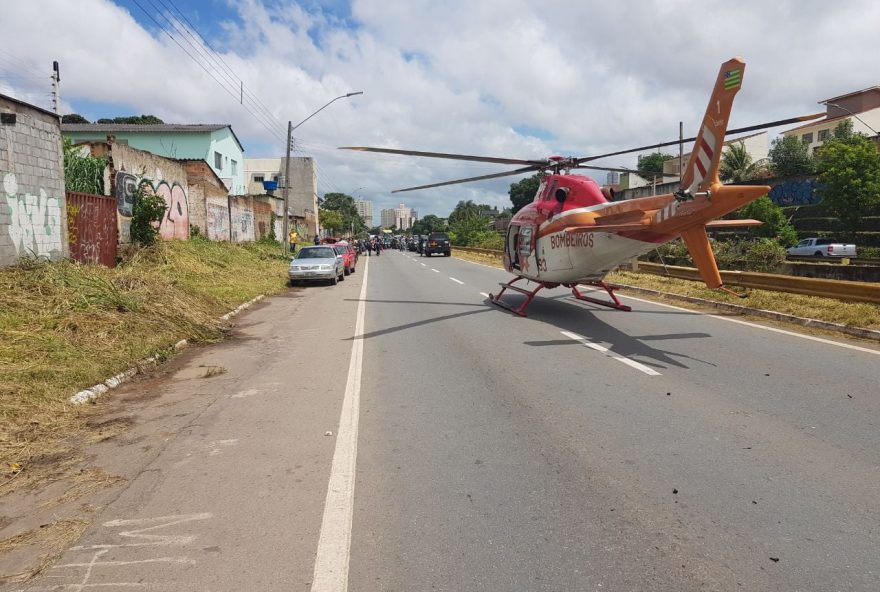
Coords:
173,128
130,127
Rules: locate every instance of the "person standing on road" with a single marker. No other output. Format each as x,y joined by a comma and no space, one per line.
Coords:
291,239
317,240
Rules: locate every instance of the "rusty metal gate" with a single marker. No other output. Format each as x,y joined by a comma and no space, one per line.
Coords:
91,228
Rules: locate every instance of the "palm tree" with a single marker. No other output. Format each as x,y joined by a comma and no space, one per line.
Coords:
737,165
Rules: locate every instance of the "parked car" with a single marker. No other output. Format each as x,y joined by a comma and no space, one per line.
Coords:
822,247
438,242
349,256
315,264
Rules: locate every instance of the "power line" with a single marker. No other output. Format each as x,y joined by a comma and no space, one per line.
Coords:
275,132
263,114
217,57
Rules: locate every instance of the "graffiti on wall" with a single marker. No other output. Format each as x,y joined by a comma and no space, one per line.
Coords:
218,222
242,225
795,192
175,222
34,223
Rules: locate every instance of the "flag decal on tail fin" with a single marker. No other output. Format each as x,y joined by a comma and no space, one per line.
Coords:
732,79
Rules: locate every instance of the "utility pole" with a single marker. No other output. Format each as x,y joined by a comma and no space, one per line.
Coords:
56,94
290,128
287,189
680,149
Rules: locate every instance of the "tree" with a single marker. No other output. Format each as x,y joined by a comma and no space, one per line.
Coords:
133,119
344,204
331,220
790,157
775,224
849,174
737,165
74,118
429,224
653,163
523,192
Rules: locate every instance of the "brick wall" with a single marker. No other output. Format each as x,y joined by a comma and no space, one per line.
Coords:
33,214
206,188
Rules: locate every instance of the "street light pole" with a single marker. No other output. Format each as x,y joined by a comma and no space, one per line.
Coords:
290,128
842,108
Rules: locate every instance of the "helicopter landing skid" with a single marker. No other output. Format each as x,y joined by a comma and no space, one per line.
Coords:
529,294
608,288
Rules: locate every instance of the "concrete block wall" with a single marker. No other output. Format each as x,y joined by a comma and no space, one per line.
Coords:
33,213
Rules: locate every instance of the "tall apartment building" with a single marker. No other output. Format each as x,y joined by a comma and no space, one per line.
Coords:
389,218
365,209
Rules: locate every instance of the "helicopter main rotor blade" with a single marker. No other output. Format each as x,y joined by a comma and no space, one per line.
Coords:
445,155
750,128
647,174
527,169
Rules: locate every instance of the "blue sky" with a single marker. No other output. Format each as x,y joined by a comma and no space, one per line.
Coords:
507,78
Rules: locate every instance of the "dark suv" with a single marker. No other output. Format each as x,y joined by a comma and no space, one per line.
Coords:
438,242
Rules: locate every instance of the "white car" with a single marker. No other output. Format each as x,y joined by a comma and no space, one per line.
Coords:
316,264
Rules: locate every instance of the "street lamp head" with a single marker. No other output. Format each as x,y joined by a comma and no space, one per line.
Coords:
351,94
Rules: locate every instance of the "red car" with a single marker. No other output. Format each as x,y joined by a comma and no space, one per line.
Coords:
349,256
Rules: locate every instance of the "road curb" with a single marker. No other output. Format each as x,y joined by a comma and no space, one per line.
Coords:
758,312
92,393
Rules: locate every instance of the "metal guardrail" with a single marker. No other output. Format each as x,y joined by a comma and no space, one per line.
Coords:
843,290
832,260
491,252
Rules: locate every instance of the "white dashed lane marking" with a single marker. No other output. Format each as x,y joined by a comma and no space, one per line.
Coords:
457,281
601,348
435,270
484,295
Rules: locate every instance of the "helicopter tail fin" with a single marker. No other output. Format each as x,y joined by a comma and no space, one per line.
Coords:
702,168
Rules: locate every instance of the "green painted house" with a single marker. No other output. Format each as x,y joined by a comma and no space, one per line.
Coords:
216,144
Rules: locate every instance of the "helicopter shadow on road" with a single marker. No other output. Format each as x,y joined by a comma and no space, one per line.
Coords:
378,333
568,314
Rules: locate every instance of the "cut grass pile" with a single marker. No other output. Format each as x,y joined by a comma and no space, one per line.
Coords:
853,314
66,326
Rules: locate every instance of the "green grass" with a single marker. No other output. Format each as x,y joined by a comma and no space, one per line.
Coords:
66,326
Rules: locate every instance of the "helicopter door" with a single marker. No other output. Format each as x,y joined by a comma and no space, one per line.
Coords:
511,246
525,249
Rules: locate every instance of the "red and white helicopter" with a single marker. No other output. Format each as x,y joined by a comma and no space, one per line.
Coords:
574,233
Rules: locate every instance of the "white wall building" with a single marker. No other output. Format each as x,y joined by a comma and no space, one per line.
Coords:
303,197
365,209
389,218
861,107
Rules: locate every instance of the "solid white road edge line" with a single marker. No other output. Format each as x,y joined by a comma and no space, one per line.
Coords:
334,543
600,348
757,326
457,281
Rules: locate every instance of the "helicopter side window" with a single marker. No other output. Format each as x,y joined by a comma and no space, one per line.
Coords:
525,241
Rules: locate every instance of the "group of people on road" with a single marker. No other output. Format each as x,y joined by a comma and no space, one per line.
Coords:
369,246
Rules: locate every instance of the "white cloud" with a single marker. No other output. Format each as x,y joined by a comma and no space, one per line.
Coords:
450,75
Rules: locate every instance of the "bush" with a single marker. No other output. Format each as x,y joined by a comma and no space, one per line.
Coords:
148,211
765,255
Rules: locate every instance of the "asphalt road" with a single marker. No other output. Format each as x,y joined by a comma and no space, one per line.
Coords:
581,448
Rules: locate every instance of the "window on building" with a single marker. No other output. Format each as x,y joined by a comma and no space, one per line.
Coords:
234,167
218,161
823,135
259,178
807,138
